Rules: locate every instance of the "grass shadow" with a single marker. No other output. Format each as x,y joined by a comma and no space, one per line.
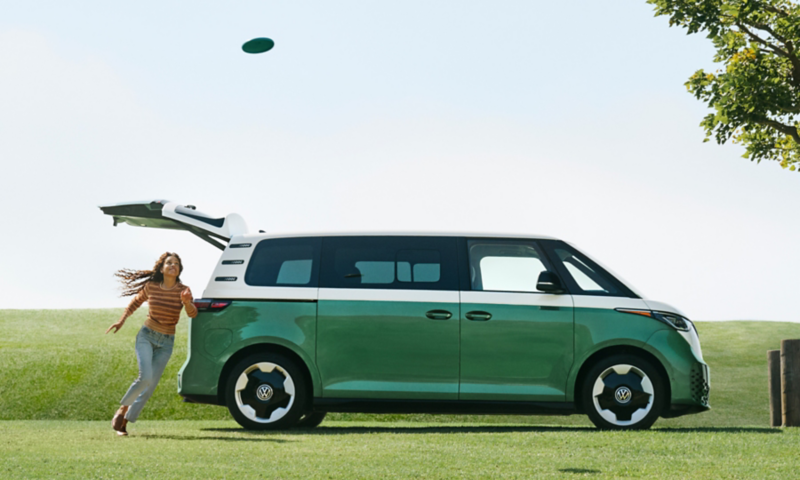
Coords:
323,430
579,471
444,429
249,438
718,430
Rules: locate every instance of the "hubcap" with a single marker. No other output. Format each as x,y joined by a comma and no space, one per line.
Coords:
623,395
264,392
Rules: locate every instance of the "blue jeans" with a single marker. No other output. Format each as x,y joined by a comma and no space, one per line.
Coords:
153,350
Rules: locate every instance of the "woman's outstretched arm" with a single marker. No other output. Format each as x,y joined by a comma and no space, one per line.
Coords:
137,302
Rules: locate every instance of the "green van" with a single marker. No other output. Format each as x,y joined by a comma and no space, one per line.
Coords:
294,326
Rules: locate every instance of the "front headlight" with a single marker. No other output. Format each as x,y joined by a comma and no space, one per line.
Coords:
674,320
683,325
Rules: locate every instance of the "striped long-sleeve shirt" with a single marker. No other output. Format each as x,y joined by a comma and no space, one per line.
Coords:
165,307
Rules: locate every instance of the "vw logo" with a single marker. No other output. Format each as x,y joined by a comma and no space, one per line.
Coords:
264,392
623,394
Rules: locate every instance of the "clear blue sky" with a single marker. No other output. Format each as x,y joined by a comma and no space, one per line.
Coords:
567,119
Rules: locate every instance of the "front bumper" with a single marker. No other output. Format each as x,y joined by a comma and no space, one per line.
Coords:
699,387
700,384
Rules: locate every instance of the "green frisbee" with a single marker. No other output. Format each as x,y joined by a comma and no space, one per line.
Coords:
258,45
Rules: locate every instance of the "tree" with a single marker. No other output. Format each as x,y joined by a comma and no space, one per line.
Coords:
756,96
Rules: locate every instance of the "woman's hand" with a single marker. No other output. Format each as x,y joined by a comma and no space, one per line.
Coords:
117,325
186,297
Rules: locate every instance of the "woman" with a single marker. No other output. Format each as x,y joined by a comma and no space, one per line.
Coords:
162,289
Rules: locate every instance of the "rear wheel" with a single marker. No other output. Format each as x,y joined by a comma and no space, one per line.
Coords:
311,420
623,392
266,391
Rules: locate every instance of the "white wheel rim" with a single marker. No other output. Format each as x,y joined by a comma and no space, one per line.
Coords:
247,410
611,417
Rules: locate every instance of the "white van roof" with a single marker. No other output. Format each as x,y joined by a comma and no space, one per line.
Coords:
264,235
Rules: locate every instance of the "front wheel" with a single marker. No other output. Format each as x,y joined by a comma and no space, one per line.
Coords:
266,391
623,392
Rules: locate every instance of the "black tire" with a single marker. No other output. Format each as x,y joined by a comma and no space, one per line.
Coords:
311,420
623,392
266,391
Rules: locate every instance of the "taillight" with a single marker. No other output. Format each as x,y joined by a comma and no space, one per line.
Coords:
218,305
207,305
201,303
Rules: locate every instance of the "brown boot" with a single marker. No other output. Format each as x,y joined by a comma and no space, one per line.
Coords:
123,431
119,421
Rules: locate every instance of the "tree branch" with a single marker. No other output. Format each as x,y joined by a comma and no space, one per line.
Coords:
785,129
775,10
789,55
766,28
760,40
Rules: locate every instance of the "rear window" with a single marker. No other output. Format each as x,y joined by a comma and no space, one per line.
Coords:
284,262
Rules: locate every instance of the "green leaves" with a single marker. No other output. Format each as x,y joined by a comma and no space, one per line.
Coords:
756,95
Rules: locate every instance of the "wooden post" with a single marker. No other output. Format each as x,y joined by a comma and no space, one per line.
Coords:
774,370
790,382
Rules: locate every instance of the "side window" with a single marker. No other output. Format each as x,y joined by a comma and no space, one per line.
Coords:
582,275
422,263
419,266
504,266
284,262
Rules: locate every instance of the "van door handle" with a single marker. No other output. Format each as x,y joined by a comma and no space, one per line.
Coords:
478,316
438,314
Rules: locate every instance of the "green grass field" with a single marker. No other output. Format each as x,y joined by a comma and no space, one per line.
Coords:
214,449
61,378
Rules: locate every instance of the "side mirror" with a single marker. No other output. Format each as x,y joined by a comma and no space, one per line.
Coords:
549,283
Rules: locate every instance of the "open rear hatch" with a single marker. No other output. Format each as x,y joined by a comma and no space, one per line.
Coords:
170,215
